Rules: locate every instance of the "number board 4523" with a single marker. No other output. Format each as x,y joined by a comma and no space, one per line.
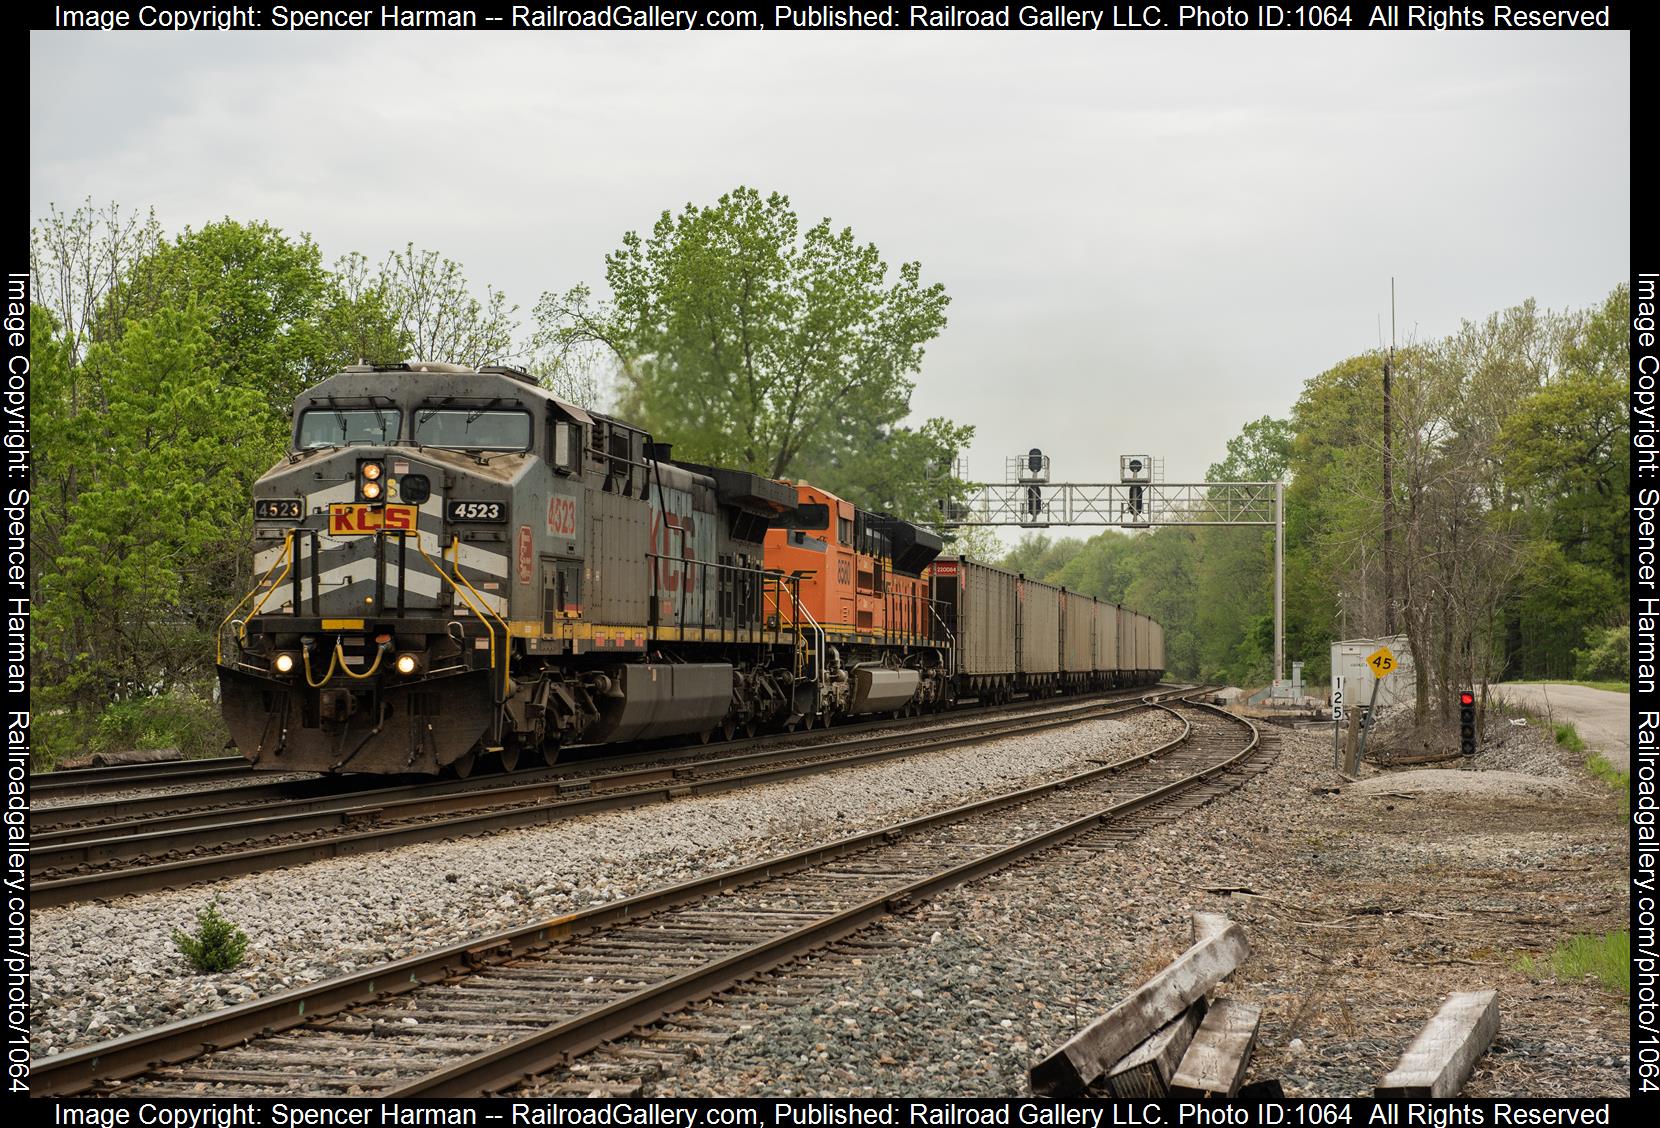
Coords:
477,511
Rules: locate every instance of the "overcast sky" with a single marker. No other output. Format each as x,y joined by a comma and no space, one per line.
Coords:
1148,239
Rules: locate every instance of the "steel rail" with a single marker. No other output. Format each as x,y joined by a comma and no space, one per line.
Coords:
136,775
324,793
665,784
59,849
132,1055
198,808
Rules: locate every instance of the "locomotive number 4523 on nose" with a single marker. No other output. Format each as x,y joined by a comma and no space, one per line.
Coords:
477,511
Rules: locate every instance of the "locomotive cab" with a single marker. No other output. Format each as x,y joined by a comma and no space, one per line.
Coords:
863,584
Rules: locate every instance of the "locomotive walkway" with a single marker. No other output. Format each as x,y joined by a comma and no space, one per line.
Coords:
481,1017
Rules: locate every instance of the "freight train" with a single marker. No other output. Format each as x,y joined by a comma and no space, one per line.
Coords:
456,568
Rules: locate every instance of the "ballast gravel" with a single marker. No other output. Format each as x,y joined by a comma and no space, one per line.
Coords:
103,970
1362,914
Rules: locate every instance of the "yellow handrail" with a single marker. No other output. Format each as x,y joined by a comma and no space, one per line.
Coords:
476,609
506,632
219,636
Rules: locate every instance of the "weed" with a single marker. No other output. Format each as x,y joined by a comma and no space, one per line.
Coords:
1568,737
218,944
1607,958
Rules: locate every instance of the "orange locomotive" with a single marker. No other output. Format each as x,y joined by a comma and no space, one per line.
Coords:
864,602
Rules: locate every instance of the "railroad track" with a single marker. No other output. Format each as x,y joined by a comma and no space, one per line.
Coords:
482,1017
90,781
78,864
216,804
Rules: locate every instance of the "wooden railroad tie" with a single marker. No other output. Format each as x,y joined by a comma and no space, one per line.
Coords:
1147,1071
1444,1054
1219,947
1215,1062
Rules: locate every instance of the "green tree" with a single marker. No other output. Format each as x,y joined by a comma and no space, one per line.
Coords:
750,343
150,540
1261,452
276,320
437,314
1565,452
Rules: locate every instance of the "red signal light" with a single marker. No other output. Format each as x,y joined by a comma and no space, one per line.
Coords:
1466,699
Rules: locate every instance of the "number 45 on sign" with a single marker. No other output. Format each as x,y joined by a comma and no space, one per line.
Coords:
1382,661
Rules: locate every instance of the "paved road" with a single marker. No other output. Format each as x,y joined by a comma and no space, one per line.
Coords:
1603,718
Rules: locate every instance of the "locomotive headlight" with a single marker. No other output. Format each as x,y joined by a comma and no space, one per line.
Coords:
283,663
407,664
370,488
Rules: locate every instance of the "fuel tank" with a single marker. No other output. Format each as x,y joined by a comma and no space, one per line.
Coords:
877,689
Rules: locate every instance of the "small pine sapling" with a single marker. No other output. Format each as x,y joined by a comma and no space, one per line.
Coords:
218,944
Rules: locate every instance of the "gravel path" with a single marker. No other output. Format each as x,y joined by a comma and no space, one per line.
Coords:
102,970
1602,717
1362,914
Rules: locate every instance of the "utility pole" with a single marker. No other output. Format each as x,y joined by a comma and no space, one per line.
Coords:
1389,481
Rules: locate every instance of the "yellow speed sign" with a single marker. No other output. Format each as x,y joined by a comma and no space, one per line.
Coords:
1382,662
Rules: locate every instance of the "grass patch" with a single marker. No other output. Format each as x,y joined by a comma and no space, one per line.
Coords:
1606,957
1568,737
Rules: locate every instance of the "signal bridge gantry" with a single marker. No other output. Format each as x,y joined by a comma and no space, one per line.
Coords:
1138,500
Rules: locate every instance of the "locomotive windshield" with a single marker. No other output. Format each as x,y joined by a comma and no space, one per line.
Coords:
326,427
460,429
810,517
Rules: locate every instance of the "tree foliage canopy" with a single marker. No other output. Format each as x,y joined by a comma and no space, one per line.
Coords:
1511,521
750,343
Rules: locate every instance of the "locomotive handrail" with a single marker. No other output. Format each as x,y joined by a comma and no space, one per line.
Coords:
818,635
445,576
242,633
751,613
506,631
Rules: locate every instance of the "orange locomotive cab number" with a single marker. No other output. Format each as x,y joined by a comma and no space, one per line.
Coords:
345,520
